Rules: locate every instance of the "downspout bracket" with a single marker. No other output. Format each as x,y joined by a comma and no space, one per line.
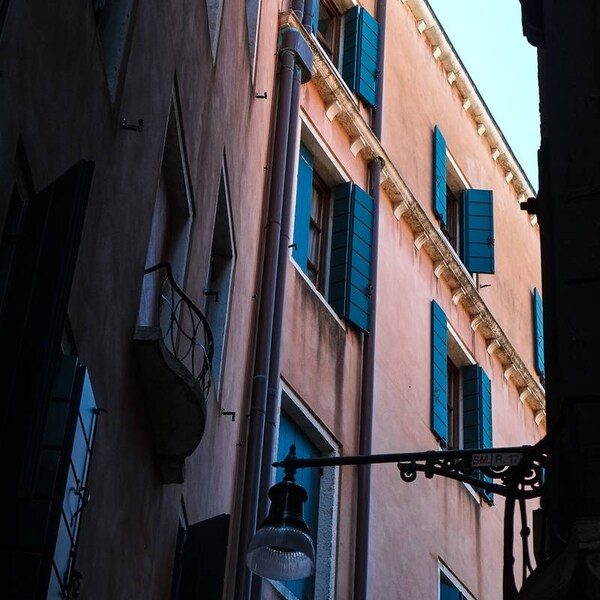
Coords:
291,40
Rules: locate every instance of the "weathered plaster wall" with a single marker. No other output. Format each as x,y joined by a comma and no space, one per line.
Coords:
57,102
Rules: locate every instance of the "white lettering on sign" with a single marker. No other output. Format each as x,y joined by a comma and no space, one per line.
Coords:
496,459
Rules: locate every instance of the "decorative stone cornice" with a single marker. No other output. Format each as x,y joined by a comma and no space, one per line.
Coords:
428,237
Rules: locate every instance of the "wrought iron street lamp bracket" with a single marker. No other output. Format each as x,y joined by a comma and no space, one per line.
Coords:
514,472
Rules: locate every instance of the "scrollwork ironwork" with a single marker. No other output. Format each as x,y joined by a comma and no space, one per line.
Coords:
186,331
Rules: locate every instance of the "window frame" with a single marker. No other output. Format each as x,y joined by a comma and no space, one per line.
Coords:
331,49
326,549
317,269
445,572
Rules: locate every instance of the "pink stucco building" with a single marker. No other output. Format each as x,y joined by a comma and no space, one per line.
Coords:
350,272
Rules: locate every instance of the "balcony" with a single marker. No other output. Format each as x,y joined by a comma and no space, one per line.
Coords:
174,346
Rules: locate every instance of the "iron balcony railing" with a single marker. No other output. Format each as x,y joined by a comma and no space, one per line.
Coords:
186,331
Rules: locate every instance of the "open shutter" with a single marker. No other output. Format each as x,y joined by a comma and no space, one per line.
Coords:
359,65
478,231
538,323
310,480
351,255
477,413
315,19
73,441
302,215
203,559
439,373
32,321
439,175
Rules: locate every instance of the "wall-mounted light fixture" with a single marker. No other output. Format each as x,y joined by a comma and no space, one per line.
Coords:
282,548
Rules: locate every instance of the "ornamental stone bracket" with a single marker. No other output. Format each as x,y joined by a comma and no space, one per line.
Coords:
343,106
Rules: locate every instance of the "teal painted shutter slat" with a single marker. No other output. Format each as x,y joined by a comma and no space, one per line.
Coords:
360,254
367,68
439,175
350,59
439,373
309,479
448,591
315,19
538,322
478,231
359,64
339,258
302,214
351,255
477,412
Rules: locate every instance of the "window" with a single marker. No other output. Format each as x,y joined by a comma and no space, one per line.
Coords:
326,27
214,12
218,285
538,325
296,426
64,462
466,215
451,589
335,253
454,406
317,232
461,407
252,19
359,63
171,221
113,18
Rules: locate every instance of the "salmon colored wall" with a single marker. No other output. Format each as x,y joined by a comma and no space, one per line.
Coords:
414,524
417,97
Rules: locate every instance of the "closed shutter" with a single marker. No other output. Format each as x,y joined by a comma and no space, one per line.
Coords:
439,373
478,231
439,176
351,255
538,323
302,215
309,479
477,413
75,444
359,65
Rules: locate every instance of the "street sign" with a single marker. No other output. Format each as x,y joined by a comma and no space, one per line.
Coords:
496,459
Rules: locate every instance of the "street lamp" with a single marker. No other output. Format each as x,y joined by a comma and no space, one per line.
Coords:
282,549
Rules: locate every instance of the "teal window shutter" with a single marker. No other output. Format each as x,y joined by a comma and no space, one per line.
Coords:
477,413
439,373
478,231
439,175
351,255
359,64
538,323
448,591
303,200
309,479
315,19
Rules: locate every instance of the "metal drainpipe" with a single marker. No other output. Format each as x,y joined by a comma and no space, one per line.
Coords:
295,64
268,453
273,406
265,325
363,504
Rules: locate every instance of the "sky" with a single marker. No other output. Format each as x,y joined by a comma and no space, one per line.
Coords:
488,37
